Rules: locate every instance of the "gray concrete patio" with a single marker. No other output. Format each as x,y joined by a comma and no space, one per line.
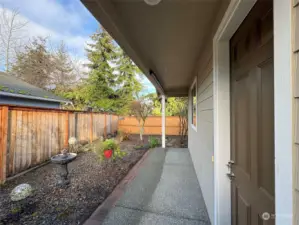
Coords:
165,191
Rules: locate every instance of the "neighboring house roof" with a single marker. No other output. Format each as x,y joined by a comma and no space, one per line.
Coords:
12,86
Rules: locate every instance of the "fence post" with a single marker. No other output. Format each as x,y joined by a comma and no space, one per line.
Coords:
110,121
66,128
117,125
105,126
3,142
91,128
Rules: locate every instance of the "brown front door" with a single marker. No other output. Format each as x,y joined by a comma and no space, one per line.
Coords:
252,113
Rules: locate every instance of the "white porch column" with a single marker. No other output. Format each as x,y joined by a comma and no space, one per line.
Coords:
163,122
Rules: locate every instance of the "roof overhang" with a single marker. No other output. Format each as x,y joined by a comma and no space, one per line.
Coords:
165,41
3,93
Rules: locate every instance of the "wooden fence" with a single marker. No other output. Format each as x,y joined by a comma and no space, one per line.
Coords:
153,125
30,136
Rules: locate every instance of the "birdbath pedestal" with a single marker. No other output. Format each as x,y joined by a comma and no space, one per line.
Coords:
62,160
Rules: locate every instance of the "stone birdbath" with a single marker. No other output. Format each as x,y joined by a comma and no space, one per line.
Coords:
62,160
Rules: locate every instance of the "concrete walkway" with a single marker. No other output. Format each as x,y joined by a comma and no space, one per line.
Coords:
165,191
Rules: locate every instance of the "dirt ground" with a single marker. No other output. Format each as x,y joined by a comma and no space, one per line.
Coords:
171,141
91,182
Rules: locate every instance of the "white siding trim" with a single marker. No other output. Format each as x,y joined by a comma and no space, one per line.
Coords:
235,14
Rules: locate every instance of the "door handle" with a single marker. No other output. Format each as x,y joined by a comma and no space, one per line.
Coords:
230,164
231,176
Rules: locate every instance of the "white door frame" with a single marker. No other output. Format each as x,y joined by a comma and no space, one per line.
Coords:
283,101
234,16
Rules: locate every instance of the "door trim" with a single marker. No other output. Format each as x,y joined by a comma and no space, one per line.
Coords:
283,101
234,16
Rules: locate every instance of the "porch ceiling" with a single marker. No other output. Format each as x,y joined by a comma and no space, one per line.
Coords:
166,39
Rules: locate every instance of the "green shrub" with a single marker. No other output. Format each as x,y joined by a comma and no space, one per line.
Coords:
153,142
109,144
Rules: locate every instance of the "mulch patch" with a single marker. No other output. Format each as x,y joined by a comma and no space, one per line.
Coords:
91,182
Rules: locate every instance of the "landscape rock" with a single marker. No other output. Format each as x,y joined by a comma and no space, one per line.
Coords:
21,192
83,142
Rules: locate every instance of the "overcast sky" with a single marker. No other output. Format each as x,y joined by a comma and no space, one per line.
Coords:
66,20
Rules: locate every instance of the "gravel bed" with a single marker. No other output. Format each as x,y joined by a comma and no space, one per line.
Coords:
91,182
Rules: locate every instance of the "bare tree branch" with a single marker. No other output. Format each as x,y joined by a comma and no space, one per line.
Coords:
11,27
141,109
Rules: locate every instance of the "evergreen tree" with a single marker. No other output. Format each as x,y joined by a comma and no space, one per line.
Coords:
128,84
112,80
64,75
34,65
97,90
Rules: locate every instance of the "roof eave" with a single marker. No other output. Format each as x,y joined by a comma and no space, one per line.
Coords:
33,97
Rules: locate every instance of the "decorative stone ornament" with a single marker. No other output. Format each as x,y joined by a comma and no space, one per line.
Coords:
72,140
21,192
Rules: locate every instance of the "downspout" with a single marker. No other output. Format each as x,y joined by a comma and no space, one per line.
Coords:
156,82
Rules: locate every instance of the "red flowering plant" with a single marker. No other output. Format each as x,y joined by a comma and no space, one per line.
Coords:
109,149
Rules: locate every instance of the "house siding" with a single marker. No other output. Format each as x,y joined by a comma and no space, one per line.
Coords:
7,100
201,140
201,143
296,110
